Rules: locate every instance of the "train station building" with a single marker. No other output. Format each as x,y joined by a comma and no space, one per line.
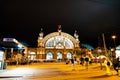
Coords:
55,45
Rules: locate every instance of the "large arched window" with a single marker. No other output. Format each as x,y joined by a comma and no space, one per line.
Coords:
49,55
68,44
50,43
59,42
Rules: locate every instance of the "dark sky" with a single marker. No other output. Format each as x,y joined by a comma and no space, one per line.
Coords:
23,19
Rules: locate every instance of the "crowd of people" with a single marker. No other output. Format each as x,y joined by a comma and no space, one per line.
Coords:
105,62
82,61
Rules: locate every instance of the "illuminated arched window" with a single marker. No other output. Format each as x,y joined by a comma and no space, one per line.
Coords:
69,55
49,55
59,42
68,44
59,55
50,43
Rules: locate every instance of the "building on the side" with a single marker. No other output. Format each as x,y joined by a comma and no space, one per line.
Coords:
56,45
13,48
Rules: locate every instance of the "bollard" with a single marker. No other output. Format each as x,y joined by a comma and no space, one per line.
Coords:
108,71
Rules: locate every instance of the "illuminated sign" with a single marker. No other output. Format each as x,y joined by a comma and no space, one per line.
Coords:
8,39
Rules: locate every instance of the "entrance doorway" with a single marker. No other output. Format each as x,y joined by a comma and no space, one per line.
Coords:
32,56
49,55
69,55
59,55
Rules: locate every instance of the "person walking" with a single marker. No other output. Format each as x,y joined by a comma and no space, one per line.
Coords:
67,61
72,62
86,62
117,65
81,61
118,59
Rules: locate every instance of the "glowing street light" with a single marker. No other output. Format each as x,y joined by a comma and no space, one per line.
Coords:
113,37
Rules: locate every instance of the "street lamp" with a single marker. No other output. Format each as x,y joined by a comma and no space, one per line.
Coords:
114,37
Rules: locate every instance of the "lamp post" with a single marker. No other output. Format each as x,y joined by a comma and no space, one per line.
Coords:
104,44
114,37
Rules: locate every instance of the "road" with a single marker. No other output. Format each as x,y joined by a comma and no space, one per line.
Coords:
56,71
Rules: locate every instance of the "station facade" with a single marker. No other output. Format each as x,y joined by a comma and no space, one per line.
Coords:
56,45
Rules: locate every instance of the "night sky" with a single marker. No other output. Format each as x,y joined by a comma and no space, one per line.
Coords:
23,19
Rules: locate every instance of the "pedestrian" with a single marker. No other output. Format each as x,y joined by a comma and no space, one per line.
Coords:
67,61
90,61
117,65
82,61
87,62
108,65
72,62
